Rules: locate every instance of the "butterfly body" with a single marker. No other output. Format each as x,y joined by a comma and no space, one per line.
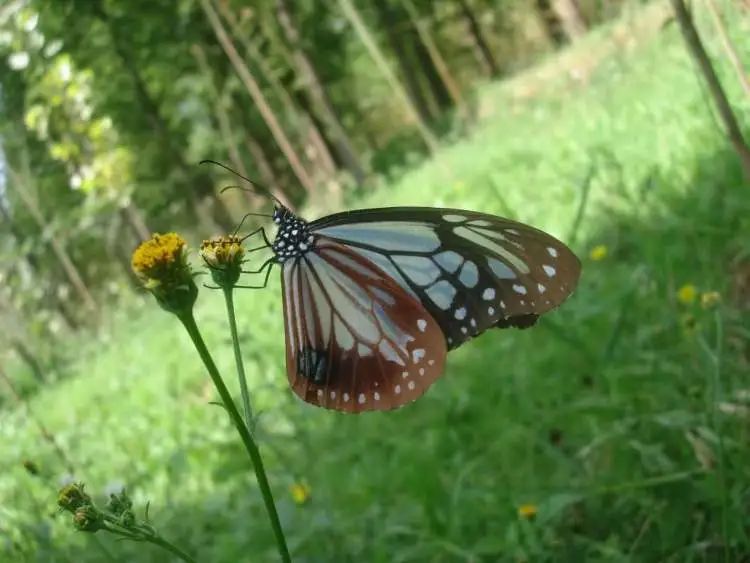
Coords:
374,299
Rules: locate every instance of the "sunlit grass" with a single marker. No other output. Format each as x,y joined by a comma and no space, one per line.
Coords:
619,418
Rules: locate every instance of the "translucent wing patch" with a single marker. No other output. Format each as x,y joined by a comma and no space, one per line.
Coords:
355,339
483,272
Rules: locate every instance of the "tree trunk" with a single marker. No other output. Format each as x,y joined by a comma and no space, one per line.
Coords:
551,23
571,17
450,84
729,48
308,131
224,122
482,48
265,170
698,52
135,220
19,185
258,97
343,145
28,358
355,19
409,73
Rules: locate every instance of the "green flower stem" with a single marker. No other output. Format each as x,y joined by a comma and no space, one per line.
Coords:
188,321
149,537
229,298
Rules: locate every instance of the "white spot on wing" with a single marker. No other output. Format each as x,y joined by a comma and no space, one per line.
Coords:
449,260
488,294
500,269
419,269
422,325
469,275
376,396
397,389
460,313
493,246
552,251
549,270
442,293
520,289
346,397
387,235
417,354
541,288
361,398
452,218
411,385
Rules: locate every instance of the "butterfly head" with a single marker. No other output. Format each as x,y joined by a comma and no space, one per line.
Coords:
293,238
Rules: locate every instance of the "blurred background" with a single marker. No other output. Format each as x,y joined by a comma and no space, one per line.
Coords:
615,430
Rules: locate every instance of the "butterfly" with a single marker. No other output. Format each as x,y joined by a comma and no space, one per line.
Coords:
375,298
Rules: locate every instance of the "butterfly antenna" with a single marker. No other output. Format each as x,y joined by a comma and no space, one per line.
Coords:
242,222
257,188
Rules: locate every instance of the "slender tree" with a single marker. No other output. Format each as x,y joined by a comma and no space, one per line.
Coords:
307,71
551,23
441,66
255,92
482,47
20,184
729,48
698,52
351,13
571,17
307,128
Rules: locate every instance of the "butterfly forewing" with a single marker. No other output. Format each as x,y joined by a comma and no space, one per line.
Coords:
470,271
356,339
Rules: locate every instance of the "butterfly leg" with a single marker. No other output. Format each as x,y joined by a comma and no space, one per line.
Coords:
262,231
268,266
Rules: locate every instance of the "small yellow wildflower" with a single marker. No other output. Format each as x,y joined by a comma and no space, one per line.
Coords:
224,255
300,492
687,294
527,511
709,299
157,259
161,265
599,252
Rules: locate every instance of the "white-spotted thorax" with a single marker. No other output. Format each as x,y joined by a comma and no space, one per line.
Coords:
293,238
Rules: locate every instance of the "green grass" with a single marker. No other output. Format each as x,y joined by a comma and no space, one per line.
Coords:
595,416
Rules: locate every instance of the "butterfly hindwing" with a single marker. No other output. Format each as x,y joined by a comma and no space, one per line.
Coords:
471,271
355,339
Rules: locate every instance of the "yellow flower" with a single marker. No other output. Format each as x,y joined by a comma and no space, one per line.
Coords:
599,252
158,258
527,511
687,294
709,299
161,265
300,492
224,255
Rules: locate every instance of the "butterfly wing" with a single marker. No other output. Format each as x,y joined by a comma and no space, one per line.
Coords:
471,271
355,339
